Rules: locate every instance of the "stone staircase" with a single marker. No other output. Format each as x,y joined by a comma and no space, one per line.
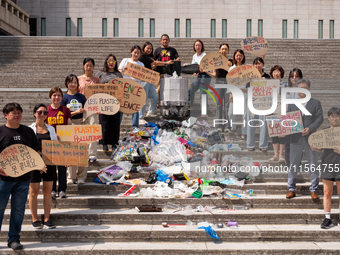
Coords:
94,220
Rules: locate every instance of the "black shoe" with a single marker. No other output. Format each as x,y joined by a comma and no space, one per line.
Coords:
49,224
15,245
105,148
37,224
327,223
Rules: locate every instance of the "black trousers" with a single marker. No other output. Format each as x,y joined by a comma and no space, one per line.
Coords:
110,128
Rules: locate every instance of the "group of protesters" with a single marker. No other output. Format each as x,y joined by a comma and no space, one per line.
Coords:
68,109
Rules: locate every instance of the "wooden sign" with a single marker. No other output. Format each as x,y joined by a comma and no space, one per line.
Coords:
142,73
103,103
19,159
79,133
110,89
325,139
214,60
255,45
64,153
290,123
241,75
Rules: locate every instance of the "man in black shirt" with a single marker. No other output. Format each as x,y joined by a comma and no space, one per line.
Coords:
16,187
165,53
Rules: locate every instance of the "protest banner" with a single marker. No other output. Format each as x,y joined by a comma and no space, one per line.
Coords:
255,45
64,153
290,123
325,139
19,159
110,89
142,73
214,60
241,75
104,103
79,133
130,94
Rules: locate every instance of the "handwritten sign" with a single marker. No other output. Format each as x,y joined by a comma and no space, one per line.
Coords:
130,94
264,87
79,133
241,75
255,45
110,89
64,153
214,60
103,103
142,73
265,103
19,159
290,123
325,139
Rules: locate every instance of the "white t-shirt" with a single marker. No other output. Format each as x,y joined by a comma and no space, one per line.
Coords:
124,63
196,59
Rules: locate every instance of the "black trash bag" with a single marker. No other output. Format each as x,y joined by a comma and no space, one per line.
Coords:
152,179
190,69
241,176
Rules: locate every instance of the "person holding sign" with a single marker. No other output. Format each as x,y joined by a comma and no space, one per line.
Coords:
135,54
58,115
89,78
16,187
148,61
277,72
239,59
110,123
330,172
43,132
75,101
202,78
263,139
299,143
220,75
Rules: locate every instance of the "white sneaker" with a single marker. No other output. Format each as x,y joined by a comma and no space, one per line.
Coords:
70,182
152,115
142,122
81,182
62,194
54,194
219,130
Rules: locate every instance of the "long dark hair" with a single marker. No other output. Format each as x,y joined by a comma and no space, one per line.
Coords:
295,70
143,47
105,63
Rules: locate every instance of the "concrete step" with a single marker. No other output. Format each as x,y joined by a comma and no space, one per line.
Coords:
114,202
157,233
125,216
181,248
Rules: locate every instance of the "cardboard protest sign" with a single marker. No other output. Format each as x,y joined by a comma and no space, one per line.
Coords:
142,73
64,153
134,95
325,139
19,159
214,60
79,133
110,89
265,103
255,45
290,123
241,75
103,103
130,94
264,87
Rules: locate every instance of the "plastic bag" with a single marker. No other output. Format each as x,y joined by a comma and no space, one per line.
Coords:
209,231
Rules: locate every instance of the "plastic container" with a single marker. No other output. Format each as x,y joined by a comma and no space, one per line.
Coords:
240,207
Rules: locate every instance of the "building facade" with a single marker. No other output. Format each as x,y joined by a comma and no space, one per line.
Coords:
185,18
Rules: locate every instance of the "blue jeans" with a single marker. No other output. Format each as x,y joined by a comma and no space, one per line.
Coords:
198,84
135,119
152,94
18,192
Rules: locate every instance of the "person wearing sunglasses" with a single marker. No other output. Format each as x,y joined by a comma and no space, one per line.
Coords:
42,131
110,123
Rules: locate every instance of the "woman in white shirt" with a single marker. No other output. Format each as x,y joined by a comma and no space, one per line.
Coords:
135,55
202,78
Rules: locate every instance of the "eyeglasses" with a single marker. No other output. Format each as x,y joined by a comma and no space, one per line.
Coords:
15,113
42,112
334,118
111,62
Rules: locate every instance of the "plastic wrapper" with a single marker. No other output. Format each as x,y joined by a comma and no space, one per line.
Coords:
111,174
